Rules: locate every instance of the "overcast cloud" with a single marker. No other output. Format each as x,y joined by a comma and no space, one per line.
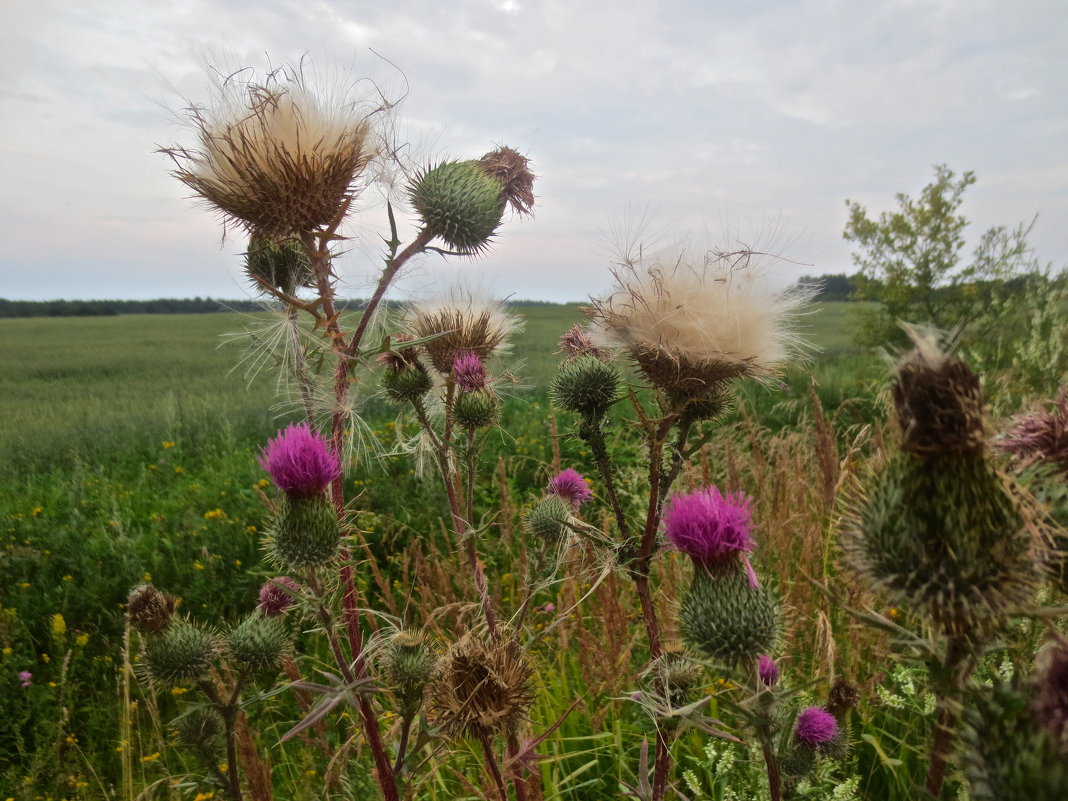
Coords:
757,116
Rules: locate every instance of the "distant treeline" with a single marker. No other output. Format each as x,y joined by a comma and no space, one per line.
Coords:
842,287
109,308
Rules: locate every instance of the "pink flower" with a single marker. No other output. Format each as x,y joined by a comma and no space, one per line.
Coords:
767,670
277,595
571,486
469,372
26,678
300,461
815,726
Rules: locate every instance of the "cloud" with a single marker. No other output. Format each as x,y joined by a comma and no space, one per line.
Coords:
699,111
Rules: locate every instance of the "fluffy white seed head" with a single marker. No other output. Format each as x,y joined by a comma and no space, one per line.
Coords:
275,156
692,321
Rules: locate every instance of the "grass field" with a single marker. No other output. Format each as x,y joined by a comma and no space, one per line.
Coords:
129,453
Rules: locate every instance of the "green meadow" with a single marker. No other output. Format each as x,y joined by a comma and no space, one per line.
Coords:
128,454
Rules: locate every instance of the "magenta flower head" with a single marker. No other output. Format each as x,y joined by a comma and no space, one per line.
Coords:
767,670
469,372
815,726
711,528
571,486
300,461
26,678
277,595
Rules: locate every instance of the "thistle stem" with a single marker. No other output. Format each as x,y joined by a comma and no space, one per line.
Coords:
494,768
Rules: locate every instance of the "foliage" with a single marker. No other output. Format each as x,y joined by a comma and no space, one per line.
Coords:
910,261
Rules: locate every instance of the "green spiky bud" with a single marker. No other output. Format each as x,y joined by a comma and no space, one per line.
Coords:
943,537
474,410
280,264
150,610
586,386
200,729
1005,754
674,677
727,618
547,520
408,384
306,531
182,652
258,642
460,202
797,762
408,662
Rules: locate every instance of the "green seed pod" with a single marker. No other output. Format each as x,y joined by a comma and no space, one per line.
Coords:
547,520
473,410
408,384
586,386
726,618
408,662
150,610
181,653
200,729
459,202
257,642
281,264
1005,754
306,532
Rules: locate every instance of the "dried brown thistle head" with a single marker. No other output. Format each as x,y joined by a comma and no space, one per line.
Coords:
149,609
481,687
938,401
466,323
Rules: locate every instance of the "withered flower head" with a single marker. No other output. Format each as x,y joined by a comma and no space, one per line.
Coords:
693,324
1040,433
149,609
577,343
400,356
481,688
463,322
512,169
273,156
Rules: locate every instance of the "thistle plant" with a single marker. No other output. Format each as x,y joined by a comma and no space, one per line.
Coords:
284,164
939,532
690,326
178,651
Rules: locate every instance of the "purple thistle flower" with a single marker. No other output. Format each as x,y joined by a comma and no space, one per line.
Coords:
767,670
469,372
710,527
1041,433
26,678
300,461
571,486
815,726
276,596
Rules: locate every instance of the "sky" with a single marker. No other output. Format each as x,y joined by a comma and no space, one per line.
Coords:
734,122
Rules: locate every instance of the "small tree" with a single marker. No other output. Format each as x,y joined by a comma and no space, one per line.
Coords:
910,262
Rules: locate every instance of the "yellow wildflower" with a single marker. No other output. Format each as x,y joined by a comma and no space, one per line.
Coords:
168,444
59,625
150,757
81,640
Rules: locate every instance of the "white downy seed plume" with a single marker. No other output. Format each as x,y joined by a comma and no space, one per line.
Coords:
693,320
